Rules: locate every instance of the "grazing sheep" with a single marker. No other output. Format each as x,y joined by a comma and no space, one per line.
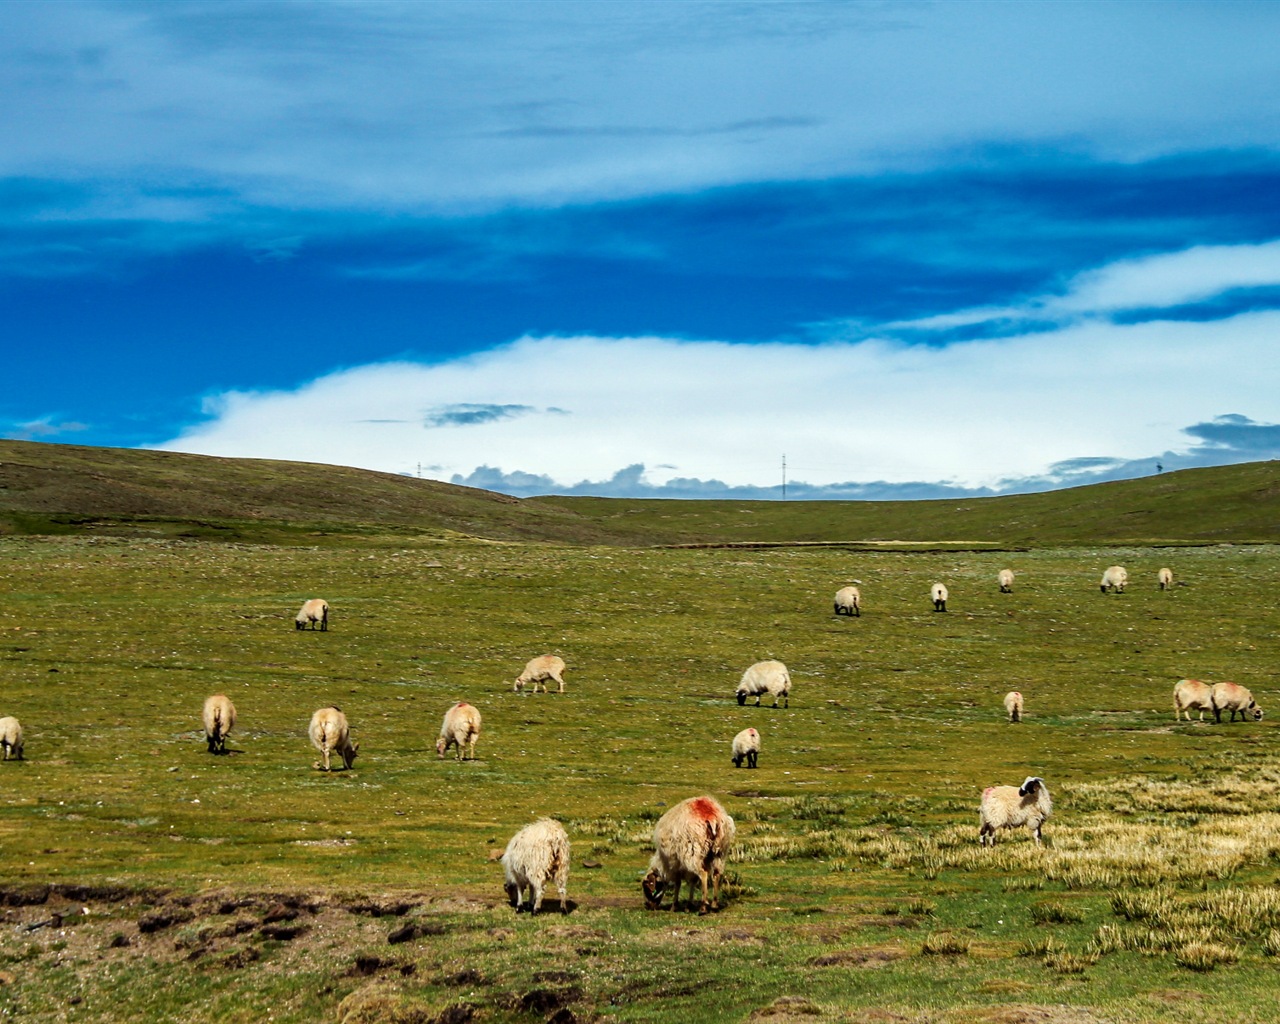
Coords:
765,677
313,611
1233,698
1166,578
539,670
1013,705
690,843
1013,807
536,855
938,592
1115,577
1191,695
219,719
1006,581
849,601
11,738
461,728
746,746
330,734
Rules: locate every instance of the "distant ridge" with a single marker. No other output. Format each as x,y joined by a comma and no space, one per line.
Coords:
58,489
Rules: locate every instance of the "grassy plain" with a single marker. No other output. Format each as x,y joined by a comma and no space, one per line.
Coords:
251,887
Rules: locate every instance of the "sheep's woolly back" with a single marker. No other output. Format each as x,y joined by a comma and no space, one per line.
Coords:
539,670
938,592
691,842
11,738
1166,578
1192,695
1013,705
848,601
313,611
1233,698
537,855
1014,807
331,734
1006,581
1115,577
219,719
746,741
460,728
765,677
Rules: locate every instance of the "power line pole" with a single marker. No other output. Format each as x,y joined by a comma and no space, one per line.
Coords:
784,476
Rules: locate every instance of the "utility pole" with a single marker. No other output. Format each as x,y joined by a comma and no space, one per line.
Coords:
784,476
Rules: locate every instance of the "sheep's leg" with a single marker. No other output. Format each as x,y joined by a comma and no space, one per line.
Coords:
564,903
561,682
535,898
986,835
702,877
325,751
1036,833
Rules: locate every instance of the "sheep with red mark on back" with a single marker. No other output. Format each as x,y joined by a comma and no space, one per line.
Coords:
690,843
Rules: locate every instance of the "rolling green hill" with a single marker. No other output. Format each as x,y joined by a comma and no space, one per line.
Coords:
52,488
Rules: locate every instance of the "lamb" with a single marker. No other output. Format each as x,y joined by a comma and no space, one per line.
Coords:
939,594
219,719
746,746
1191,695
536,855
690,842
765,677
849,601
11,738
1233,698
1013,705
539,670
1115,577
1166,578
313,611
461,728
1005,578
1013,807
331,734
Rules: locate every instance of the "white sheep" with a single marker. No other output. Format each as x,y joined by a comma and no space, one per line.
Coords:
938,593
766,677
1115,577
746,746
536,855
461,728
1005,579
690,842
849,601
1013,807
330,734
219,718
313,611
1233,698
1191,695
1013,705
1166,578
11,738
539,670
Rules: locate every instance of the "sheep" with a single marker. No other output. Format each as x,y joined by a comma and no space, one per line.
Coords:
1191,695
11,738
1013,807
536,855
765,677
938,592
1115,577
1166,578
219,719
330,734
690,842
1013,705
746,746
539,670
1233,698
313,611
1005,579
849,601
461,728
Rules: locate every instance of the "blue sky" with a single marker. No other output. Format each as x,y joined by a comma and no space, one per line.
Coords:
648,249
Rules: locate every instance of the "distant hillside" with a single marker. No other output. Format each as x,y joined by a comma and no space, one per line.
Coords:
53,488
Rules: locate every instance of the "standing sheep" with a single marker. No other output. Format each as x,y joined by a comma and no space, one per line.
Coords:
1233,698
219,719
1166,578
765,677
1013,705
330,734
938,592
11,738
746,746
1191,695
1013,807
1115,577
690,843
461,728
849,601
539,670
313,611
1005,579
536,855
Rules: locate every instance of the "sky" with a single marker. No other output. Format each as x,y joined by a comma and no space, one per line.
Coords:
871,250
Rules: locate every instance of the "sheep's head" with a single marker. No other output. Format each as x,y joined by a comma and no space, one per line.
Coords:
349,754
441,746
513,894
298,624
1031,785
742,697
1257,711
654,886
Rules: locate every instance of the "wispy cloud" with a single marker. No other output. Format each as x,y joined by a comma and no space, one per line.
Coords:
466,414
46,428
